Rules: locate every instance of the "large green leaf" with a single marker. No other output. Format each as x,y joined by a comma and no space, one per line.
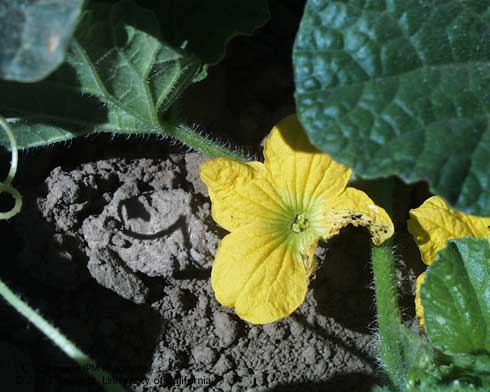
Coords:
456,298
120,76
35,35
400,87
205,27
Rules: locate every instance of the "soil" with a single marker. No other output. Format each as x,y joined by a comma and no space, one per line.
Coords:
115,244
129,244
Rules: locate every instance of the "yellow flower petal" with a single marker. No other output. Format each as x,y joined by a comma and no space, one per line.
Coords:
354,207
434,222
242,193
258,273
419,309
298,169
276,213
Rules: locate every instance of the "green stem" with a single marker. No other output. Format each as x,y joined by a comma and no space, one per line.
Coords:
69,348
388,312
191,138
6,185
390,326
14,151
18,201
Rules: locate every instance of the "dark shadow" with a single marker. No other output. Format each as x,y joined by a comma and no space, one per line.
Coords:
126,334
55,101
343,280
119,335
353,382
134,209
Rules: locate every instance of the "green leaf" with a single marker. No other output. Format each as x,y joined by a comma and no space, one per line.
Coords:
35,35
461,372
119,76
400,88
186,22
456,298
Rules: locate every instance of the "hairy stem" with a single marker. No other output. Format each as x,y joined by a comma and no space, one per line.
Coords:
388,313
69,348
390,326
189,137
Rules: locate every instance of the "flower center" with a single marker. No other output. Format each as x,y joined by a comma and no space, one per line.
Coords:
300,223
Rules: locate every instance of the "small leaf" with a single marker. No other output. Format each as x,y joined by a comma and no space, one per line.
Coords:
400,88
461,372
456,297
35,35
119,77
186,22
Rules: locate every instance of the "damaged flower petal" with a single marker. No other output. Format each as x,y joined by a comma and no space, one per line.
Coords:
434,223
277,212
355,207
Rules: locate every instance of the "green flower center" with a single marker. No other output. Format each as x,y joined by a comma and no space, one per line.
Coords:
300,223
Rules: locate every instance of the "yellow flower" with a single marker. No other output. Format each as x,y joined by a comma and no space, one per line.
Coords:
276,212
434,223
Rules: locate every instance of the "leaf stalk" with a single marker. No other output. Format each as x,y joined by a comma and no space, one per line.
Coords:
6,185
62,342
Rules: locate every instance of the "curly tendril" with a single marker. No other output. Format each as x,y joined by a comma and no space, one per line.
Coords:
6,186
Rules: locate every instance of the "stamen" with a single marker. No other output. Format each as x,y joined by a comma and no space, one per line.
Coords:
300,223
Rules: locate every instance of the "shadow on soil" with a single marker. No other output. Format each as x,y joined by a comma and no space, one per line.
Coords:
342,285
120,335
